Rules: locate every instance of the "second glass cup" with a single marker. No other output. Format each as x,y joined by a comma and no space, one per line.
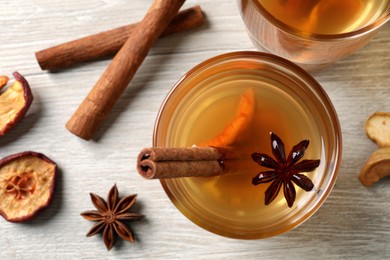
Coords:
315,33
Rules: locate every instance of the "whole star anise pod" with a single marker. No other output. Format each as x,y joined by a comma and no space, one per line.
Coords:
110,216
285,171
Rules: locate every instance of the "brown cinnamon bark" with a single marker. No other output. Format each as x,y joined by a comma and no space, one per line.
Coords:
108,43
161,163
119,73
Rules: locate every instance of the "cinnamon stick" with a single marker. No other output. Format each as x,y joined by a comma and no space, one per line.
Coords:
161,163
108,43
119,73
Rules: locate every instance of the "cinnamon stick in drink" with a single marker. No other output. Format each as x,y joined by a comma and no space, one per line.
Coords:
161,163
108,43
119,73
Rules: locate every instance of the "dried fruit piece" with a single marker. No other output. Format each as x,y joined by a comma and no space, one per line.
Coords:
3,81
27,182
378,128
14,102
376,167
240,122
340,11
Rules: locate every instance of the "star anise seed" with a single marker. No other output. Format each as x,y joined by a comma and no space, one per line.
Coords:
285,172
110,216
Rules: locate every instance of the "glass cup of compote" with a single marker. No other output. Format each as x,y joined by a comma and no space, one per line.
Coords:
313,33
284,100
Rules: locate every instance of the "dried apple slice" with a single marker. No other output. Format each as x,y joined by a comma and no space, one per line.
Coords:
14,102
27,182
378,128
239,124
376,167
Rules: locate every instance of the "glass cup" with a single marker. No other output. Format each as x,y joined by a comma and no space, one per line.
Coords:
277,83
312,51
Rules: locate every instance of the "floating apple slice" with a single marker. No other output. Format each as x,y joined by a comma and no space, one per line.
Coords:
239,124
14,102
27,182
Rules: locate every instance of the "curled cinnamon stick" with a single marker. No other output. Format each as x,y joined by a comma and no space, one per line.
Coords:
160,163
119,73
108,43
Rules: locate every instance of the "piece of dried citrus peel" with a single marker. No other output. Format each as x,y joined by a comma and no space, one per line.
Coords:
239,124
345,9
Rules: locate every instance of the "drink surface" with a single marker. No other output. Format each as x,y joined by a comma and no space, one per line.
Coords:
205,113
326,16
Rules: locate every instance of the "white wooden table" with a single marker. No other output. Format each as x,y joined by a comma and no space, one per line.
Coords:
352,224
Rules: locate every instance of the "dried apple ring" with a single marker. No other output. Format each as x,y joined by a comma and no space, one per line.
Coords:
27,182
14,102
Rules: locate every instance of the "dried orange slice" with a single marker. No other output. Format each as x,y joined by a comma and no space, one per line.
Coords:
340,11
239,124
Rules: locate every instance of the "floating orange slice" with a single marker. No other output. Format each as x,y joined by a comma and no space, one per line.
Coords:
342,12
239,124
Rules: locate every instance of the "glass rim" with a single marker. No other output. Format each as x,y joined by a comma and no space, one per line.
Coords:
318,36
325,101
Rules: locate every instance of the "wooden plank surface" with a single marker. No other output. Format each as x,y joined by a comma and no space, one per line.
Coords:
352,224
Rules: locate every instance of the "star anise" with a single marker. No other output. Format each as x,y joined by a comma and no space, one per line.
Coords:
110,216
285,171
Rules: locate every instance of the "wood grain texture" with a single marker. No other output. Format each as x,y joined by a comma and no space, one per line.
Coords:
108,43
352,224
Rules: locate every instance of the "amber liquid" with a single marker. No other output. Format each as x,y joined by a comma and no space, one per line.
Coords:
208,109
326,16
